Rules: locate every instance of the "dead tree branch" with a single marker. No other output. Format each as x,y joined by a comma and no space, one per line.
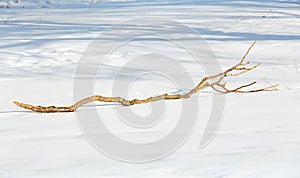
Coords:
219,86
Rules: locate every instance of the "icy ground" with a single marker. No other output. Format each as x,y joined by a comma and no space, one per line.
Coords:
41,45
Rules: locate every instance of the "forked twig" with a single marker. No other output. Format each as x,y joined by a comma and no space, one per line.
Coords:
218,86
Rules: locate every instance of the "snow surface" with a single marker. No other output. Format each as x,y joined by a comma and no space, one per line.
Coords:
42,43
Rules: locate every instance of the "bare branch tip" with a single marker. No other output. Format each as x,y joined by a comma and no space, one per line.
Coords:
16,103
249,49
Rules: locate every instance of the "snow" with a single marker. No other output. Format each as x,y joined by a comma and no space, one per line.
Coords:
41,45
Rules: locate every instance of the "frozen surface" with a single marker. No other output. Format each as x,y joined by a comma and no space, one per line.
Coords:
42,43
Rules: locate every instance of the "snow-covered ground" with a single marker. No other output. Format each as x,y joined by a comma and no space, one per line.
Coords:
41,45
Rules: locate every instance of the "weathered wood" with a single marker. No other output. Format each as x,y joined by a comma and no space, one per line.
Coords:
218,86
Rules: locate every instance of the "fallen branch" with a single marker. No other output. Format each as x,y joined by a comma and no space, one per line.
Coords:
218,86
